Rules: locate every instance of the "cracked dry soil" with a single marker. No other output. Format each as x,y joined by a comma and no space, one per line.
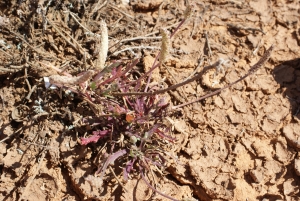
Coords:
242,144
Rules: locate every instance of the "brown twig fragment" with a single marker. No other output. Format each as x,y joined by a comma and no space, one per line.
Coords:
239,27
4,70
196,70
66,80
6,53
186,81
130,49
120,183
26,80
98,7
251,71
208,45
31,90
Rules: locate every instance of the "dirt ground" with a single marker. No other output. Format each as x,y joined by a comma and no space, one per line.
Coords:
242,144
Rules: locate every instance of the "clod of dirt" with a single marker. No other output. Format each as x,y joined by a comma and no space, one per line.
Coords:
148,62
203,174
179,63
44,187
145,5
239,103
2,152
85,187
217,117
264,83
290,187
10,159
292,135
255,40
297,166
194,149
263,149
257,175
141,192
272,168
282,153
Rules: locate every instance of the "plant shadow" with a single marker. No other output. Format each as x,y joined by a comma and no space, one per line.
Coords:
287,74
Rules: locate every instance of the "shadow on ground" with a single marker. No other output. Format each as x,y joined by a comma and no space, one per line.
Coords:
287,74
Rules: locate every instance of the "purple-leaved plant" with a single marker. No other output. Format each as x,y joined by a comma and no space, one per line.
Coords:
125,106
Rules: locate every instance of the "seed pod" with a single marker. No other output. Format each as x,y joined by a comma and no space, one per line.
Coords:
102,43
165,46
262,60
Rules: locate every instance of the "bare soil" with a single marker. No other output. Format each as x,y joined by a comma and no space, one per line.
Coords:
242,144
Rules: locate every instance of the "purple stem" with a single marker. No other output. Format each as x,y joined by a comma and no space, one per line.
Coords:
154,63
110,160
176,29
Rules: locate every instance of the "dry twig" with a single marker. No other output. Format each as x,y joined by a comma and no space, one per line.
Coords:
252,70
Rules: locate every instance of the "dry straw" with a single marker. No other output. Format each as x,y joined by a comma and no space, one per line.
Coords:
103,46
65,80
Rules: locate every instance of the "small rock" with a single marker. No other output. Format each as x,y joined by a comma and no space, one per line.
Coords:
282,153
290,187
257,175
255,40
263,148
297,166
148,62
239,103
292,135
272,168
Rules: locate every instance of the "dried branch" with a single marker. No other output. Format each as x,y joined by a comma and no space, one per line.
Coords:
252,70
66,80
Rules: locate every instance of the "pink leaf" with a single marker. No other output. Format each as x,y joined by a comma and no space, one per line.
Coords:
94,138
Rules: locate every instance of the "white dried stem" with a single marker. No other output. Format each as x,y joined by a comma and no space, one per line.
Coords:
66,80
165,46
102,42
75,17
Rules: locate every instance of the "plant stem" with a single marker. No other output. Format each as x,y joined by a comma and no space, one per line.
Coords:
155,190
110,160
252,70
